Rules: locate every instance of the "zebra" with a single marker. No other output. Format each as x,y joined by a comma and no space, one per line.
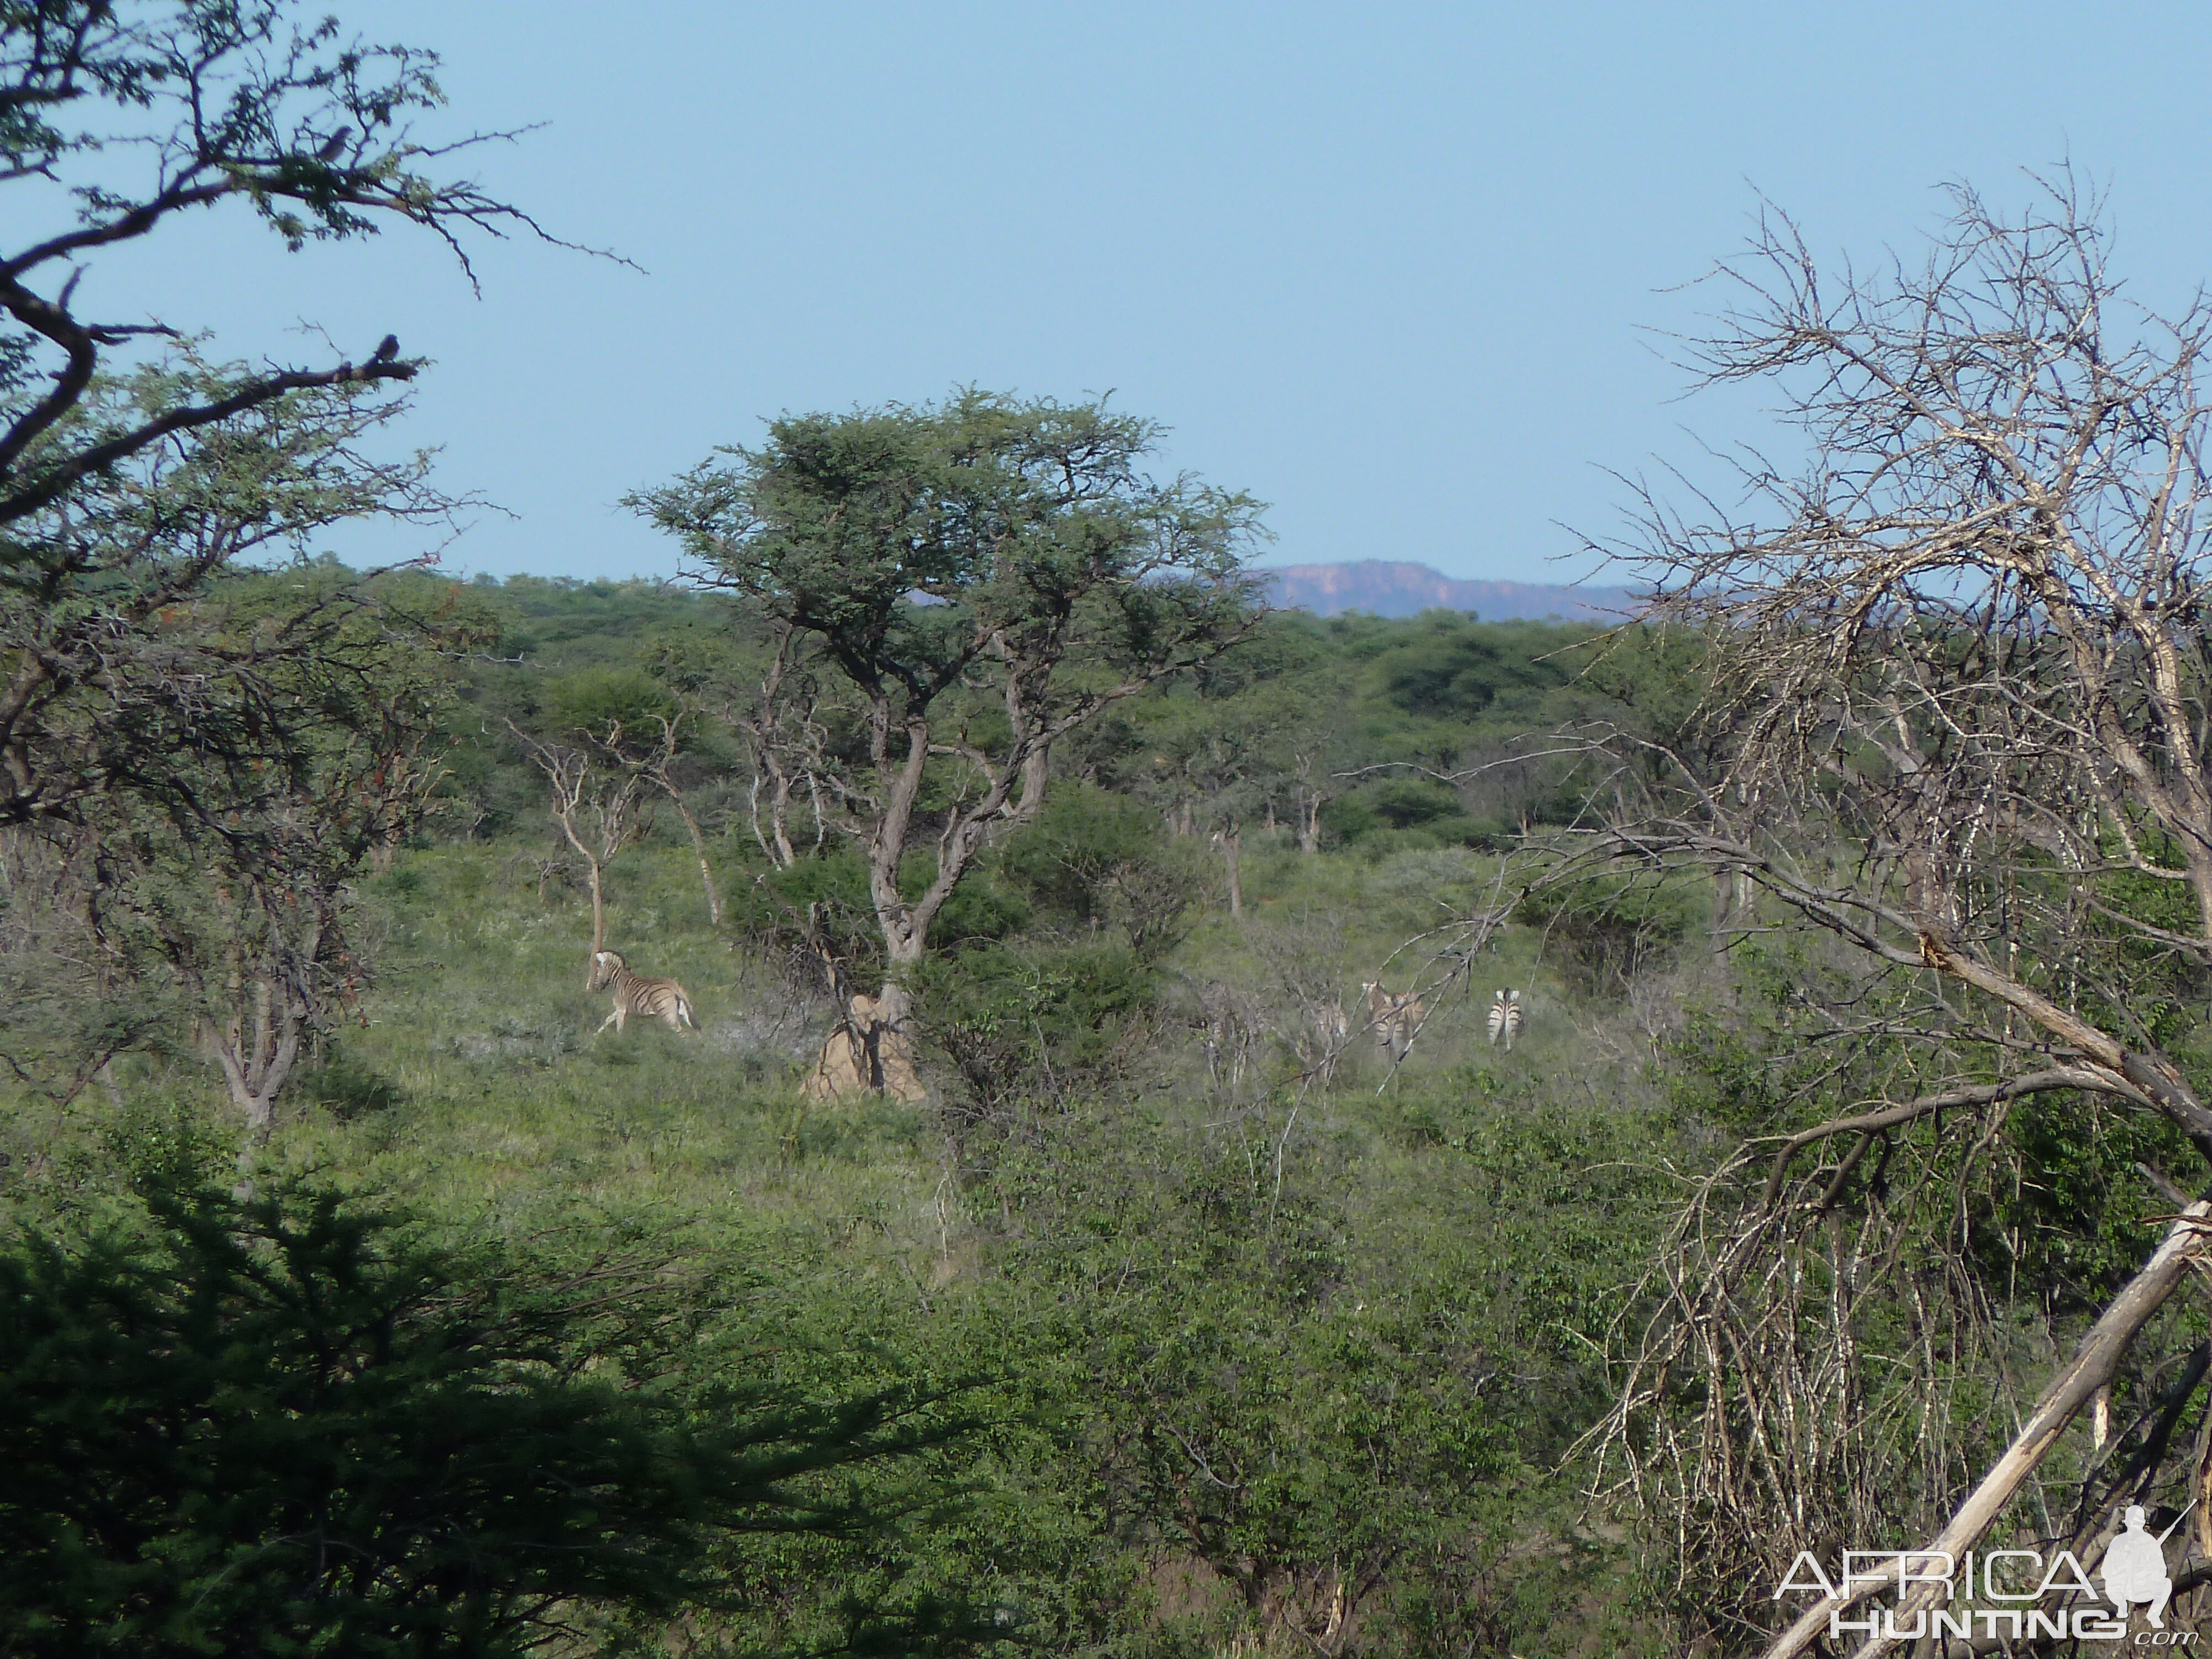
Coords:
1393,1019
1505,1018
649,998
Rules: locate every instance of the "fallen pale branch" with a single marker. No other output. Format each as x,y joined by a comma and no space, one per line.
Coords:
2094,1362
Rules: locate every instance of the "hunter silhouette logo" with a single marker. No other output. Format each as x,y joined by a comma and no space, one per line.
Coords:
2134,1568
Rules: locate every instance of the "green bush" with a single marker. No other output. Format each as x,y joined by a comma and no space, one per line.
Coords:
1421,811
593,700
1249,1397
1035,1021
1452,668
1605,930
291,1425
1093,860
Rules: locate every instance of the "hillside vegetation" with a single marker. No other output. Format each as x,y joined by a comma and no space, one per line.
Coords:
1250,1346
952,1084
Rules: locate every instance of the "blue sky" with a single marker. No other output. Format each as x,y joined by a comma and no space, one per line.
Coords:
1393,269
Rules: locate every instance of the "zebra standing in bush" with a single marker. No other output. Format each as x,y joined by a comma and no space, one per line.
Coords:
1505,1018
649,998
1394,1019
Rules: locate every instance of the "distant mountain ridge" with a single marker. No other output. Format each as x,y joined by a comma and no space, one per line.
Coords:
1383,587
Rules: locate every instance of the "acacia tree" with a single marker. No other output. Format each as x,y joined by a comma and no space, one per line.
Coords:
243,908
1962,726
236,925
211,754
116,120
275,963
600,800
976,579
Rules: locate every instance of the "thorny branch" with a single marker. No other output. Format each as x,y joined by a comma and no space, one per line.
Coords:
1961,726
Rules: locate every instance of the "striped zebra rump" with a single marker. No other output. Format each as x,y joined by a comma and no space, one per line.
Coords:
663,1000
1505,1018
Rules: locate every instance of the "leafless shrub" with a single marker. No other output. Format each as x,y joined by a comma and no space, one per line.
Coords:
1960,725
1312,1019
1233,1027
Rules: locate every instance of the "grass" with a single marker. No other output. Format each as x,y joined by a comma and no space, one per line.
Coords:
509,1098
1495,1201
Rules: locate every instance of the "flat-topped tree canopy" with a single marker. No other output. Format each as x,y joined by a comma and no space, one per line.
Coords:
1065,577
1030,522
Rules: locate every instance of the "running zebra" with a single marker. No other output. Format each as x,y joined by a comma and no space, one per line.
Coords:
1393,1019
1505,1018
649,998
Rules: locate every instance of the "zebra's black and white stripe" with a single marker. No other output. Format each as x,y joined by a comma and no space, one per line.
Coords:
1393,1019
1505,1018
649,998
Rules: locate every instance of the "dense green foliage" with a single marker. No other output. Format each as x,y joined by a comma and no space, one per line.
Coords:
1328,707
1243,1354
286,1425
1205,1132
1244,1350
1245,1347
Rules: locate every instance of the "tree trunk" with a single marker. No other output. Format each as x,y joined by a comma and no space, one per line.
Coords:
1231,844
1037,773
780,821
568,823
2096,1359
878,1032
699,847
257,1055
598,918
1310,823
777,846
